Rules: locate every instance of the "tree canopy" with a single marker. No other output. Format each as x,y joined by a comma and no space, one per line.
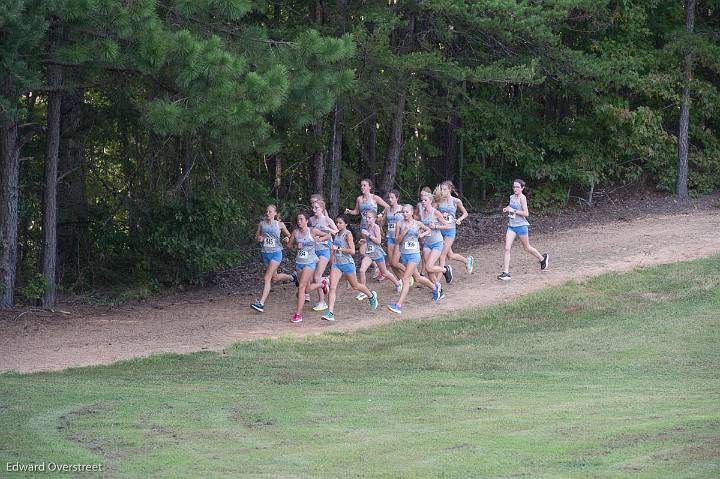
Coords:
180,120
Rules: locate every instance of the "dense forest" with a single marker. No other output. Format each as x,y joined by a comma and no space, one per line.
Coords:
141,139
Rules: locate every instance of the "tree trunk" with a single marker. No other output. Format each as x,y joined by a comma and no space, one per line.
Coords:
451,146
9,172
483,185
683,146
277,183
393,153
336,162
461,166
49,230
371,145
319,161
73,234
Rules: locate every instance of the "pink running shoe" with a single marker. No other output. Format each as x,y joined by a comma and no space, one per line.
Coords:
324,285
296,318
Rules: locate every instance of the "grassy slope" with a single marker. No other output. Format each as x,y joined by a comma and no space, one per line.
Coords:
616,377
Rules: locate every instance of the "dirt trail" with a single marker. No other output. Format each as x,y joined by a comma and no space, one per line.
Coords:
35,343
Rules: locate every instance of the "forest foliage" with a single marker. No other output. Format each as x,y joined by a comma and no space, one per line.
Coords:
181,119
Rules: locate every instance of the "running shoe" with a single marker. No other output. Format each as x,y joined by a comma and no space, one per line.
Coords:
258,306
378,275
448,274
296,318
307,297
361,296
295,279
470,265
373,300
328,316
436,292
504,276
545,261
412,281
324,285
320,307
398,287
442,294
395,308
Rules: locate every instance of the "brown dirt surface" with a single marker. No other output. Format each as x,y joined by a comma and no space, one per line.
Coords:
614,235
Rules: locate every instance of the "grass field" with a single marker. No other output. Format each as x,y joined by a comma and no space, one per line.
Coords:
615,377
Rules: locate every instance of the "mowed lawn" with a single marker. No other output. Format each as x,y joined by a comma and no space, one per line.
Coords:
615,377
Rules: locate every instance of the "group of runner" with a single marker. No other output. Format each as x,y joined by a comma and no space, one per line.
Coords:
418,241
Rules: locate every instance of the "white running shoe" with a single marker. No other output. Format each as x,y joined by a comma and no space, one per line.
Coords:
320,307
361,296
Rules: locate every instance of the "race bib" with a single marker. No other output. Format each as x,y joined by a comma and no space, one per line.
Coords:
269,242
303,254
449,218
370,248
411,245
391,229
511,214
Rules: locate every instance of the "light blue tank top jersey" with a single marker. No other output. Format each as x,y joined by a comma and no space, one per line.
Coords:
322,225
392,219
516,220
427,220
366,206
449,211
341,242
270,236
373,249
306,255
410,243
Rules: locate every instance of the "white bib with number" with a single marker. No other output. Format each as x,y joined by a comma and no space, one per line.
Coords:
370,248
411,245
391,229
303,254
269,242
448,217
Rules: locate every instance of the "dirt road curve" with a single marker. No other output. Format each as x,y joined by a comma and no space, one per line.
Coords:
36,342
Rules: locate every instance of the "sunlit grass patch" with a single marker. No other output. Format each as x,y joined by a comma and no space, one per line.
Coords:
613,377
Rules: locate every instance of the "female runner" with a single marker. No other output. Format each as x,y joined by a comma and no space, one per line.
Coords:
372,238
407,236
517,211
448,206
392,216
433,244
304,239
343,247
367,201
268,235
321,221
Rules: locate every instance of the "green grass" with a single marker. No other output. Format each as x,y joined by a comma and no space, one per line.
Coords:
615,377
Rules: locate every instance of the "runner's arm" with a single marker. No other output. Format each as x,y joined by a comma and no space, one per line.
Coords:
459,205
332,227
319,235
284,231
355,211
523,211
444,225
351,246
376,235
